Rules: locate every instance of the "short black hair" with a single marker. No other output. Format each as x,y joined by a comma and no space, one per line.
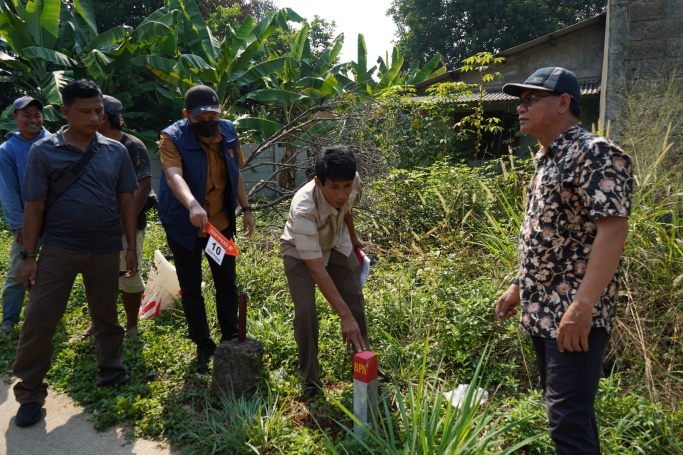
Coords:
82,88
575,109
335,163
116,122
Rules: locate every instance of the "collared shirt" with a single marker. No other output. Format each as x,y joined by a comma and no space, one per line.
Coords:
579,179
315,227
216,174
85,218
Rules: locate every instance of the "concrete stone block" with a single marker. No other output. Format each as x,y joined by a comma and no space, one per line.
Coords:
647,11
237,367
645,50
662,29
675,8
636,31
674,48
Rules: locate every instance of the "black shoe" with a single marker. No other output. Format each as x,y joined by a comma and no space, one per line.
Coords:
203,363
29,414
126,383
310,391
382,377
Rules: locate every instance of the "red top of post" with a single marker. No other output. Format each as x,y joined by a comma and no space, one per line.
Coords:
365,366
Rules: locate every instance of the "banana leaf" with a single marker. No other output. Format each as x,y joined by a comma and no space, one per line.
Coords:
149,32
42,19
53,85
412,72
196,34
14,30
48,55
390,75
361,68
13,62
321,128
329,55
426,70
67,36
257,72
87,12
240,64
115,35
276,97
230,51
52,114
252,123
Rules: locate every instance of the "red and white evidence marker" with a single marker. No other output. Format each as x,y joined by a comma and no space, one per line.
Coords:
364,390
218,246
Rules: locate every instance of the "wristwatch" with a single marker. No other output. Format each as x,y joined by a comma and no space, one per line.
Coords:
247,208
515,280
25,255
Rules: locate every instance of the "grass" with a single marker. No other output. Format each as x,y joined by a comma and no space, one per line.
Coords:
443,242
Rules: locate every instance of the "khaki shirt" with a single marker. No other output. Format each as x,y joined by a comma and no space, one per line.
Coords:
315,227
216,175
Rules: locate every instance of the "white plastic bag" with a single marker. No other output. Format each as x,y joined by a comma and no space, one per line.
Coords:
364,262
457,396
162,288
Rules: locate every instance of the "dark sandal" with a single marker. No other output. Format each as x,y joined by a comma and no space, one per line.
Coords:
5,332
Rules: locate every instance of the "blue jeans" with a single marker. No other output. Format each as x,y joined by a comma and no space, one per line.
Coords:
13,293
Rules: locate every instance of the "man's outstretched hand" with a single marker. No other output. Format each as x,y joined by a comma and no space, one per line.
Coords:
351,334
508,303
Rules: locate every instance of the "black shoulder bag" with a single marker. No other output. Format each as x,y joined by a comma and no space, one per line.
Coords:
66,177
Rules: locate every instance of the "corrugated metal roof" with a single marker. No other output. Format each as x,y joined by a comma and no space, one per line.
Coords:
588,88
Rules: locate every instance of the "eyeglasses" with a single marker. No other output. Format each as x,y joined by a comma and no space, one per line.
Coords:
531,99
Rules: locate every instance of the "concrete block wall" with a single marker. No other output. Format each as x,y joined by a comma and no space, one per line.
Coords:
643,37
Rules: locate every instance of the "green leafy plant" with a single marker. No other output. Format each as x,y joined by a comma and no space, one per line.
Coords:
427,424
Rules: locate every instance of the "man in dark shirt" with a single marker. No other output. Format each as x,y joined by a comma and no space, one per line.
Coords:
570,244
131,289
82,234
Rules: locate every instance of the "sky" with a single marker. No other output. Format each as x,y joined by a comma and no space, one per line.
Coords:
352,17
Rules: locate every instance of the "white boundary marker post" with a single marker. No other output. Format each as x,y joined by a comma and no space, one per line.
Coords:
364,390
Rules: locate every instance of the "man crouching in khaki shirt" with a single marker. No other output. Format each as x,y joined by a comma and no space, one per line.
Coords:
318,244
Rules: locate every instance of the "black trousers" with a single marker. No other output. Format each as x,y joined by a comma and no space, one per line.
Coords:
188,264
570,382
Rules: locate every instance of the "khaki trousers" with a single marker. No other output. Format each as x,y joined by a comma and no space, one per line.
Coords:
345,274
57,270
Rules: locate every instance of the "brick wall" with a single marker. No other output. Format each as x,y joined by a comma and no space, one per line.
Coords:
643,38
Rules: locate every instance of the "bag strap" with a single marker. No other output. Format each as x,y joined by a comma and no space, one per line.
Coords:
85,159
68,176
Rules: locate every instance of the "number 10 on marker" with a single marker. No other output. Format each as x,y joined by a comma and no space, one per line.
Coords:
215,251
218,246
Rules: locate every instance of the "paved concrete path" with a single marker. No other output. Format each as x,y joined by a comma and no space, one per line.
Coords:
64,431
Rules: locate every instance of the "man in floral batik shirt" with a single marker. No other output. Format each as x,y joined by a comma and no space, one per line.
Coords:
570,245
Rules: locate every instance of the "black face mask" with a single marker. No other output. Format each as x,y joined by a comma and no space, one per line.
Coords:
206,128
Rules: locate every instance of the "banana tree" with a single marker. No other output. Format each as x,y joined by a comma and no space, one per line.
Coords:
236,64
41,39
293,88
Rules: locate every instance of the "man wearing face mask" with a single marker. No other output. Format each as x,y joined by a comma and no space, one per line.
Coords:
201,183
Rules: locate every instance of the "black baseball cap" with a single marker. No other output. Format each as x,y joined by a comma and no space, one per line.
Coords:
24,101
550,79
112,106
200,99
